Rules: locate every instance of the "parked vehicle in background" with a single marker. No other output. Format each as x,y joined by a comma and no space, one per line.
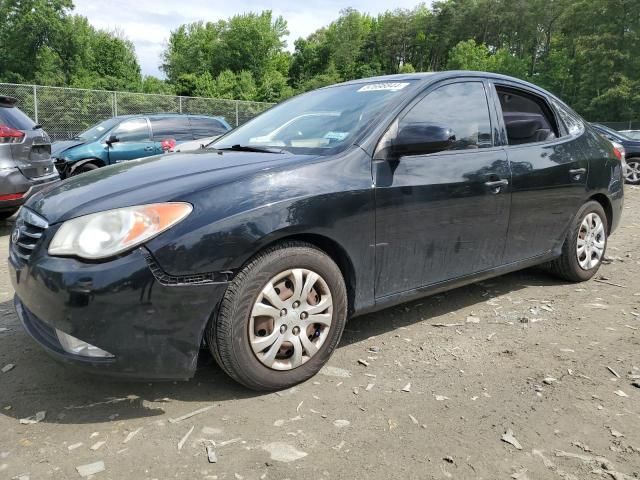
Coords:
25,158
413,185
129,137
632,134
632,151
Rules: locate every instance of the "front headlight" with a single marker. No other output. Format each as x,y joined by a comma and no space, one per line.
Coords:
105,234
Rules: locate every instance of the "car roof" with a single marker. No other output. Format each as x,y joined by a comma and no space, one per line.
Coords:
431,77
151,115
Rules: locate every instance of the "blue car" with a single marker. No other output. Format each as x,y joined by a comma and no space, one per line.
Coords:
129,137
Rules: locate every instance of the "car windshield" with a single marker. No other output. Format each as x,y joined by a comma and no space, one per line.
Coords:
321,122
98,130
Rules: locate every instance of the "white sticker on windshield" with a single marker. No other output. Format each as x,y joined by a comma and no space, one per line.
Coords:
336,135
376,87
100,128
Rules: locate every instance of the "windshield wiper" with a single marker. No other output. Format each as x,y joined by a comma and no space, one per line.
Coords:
249,148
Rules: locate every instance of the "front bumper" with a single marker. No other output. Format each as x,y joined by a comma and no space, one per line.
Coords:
153,330
13,181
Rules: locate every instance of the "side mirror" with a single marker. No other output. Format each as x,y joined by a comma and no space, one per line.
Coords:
112,139
422,139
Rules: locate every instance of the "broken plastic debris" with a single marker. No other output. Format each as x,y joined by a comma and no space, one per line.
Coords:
283,452
510,439
37,418
407,387
211,454
184,439
190,414
91,469
131,435
8,367
335,372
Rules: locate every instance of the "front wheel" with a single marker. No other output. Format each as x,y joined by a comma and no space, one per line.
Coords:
281,317
87,167
632,175
584,246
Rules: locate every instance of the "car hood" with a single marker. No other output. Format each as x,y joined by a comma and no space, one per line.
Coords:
168,177
59,147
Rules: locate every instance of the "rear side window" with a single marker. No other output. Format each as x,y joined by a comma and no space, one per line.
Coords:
14,117
206,127
177,128
134,130
571,121
527,117
462,107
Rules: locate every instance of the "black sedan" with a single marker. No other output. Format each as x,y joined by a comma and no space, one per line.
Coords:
342,201
631,148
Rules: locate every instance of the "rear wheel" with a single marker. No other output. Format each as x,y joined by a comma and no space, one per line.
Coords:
281,317
584,246
632,175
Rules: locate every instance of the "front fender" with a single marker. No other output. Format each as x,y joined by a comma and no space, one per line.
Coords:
331,198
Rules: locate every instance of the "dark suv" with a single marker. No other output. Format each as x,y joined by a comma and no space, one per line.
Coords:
25,157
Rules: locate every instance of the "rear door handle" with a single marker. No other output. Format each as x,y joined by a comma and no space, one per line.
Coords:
149,149
576,173
496,185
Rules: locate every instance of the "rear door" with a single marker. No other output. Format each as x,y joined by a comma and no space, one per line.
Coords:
549,171
442,215
134,140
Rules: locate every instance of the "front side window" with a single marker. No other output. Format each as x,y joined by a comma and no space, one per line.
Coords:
134,130
460,107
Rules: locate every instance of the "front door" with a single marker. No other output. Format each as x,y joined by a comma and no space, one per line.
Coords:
443,215
134,141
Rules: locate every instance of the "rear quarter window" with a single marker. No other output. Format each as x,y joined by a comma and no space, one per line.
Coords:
571,121
177,128
206,127
15,118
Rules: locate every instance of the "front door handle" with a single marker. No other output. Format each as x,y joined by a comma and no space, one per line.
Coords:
149,149
496,185
576,173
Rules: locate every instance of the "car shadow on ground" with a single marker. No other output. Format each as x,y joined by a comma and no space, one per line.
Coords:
73,397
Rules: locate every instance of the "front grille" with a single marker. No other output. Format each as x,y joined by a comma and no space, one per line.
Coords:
26,234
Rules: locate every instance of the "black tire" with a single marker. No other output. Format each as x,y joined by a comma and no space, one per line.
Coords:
567,266
87,167
633,163
5,214
228,333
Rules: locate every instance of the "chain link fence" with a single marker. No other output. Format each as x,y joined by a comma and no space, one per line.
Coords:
66,112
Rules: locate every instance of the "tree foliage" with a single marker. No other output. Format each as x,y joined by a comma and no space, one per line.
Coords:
585,51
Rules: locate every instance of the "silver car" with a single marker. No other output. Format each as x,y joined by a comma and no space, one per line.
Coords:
25,158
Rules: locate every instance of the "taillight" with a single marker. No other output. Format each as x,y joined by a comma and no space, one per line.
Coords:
10,135
618,150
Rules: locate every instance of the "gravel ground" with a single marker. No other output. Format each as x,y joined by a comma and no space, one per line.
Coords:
426,390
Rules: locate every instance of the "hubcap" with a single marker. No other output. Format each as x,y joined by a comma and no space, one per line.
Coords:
633,172
591,241
291,319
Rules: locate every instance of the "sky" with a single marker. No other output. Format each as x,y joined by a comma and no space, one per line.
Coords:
148,23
